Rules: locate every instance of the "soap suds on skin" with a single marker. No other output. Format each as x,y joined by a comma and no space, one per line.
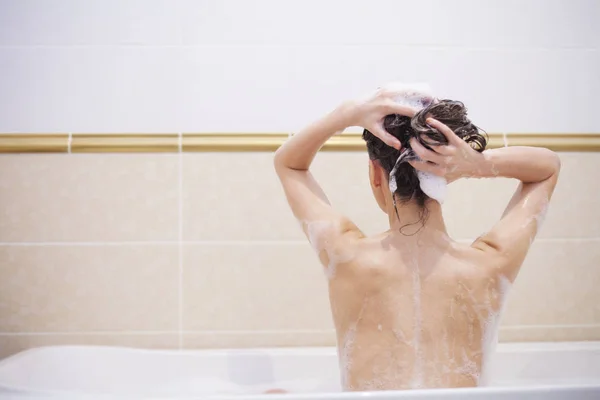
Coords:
318,233
346,347
345,360
495,171
490,332
446,360
487,315
417,380
446,357
538,217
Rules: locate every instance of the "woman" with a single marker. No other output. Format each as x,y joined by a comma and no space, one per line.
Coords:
413,308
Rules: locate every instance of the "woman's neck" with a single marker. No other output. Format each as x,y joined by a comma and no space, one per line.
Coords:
412,218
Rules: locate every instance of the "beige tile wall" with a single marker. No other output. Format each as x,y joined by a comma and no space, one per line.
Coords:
93,251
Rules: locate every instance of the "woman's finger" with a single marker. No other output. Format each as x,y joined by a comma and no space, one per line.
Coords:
428,167
392,107
449,133
424,153
447,150
386,137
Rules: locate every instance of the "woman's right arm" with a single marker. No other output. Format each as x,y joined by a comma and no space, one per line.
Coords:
537,169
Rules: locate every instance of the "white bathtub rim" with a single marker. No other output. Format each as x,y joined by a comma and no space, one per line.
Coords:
520,347
524,347
398,394
388,394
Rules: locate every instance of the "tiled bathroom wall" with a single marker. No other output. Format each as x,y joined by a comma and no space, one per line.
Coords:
199,249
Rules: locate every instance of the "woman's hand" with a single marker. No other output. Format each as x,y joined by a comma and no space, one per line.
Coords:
452,161
370,112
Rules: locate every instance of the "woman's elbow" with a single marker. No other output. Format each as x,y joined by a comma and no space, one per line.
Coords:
285,160
555,162
278,159
550,160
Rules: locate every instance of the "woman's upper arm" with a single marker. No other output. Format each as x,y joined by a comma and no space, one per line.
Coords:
320,221
509,240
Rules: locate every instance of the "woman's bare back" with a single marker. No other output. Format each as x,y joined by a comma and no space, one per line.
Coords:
422,313
415,310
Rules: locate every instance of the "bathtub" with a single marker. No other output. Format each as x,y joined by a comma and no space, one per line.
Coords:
528,371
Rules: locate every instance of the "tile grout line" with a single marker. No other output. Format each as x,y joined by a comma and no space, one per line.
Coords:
180,244
232,242
176,332
161,242
89,333
260,332
123,243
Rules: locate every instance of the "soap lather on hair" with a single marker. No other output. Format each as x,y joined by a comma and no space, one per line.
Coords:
419,96
405,182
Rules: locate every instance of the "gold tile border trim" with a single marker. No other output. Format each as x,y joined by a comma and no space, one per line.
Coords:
125,143
34,143
241,142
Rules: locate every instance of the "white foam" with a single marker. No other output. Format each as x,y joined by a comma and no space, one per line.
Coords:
346,347
344,352
495,171
400,336
413,94
392,178
418,96
490,331
540,217
417,378
433,186
319,234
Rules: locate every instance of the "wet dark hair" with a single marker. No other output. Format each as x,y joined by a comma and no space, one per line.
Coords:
451,113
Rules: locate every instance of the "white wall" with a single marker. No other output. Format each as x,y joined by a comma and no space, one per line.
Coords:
272,65
94,238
